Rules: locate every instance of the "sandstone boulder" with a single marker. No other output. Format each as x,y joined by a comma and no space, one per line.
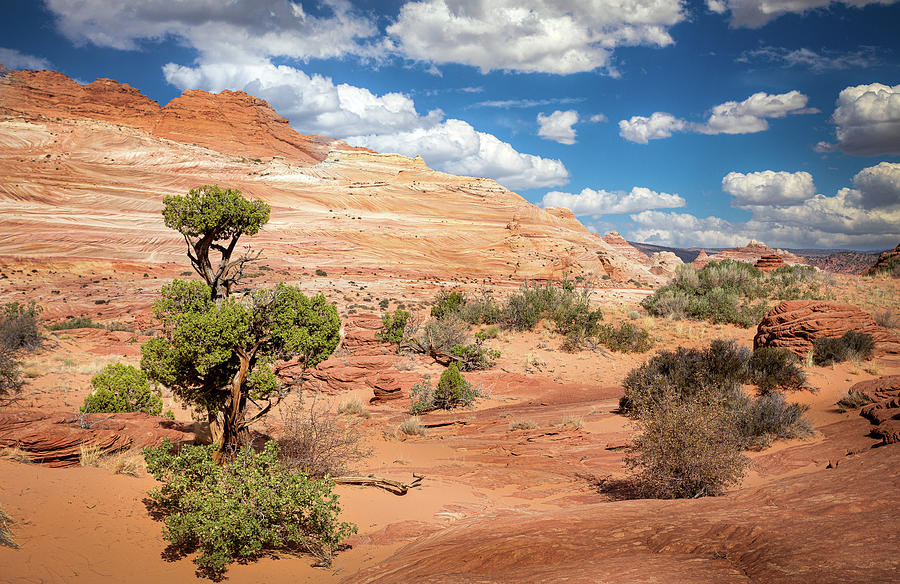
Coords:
55,439
884,411
796,324
769,262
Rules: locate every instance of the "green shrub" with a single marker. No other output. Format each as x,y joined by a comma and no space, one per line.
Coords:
569,310
686,449
852,345
776,369
627,338
20,326
122,388
237,511
10,374
481,310
74,323
393,327
475,355
452,391
447,303
320,272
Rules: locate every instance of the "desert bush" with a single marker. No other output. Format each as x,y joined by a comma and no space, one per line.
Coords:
626,338
852,345
688,448
522,425
568,308
476,355
774,369
75,322
447,303
411,426
770,416
393,327
321,273
853,400
440,336
236,511
11,381
20,326
451,391
315,441
122,388
887,318
713,374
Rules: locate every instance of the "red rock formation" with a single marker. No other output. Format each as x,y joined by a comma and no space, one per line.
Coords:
567,217
888,262
884,412
701,260
753,251
55,439
843,262
796,324
618,243
231,122
767,263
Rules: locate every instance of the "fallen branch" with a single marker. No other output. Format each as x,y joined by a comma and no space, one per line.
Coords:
393,486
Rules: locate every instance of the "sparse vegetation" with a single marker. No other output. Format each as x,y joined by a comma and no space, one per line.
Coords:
20,326
75,322
451,391
522,425
393,327
237,511
731,292
411,426
853,400
6,535
317,442
626,338
853,345
122,388
353,407
475,355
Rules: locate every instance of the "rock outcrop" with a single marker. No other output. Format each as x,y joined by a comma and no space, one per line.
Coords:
796,324
56,439
660,263
767,263
753,251
887,263
884,411
84,169
701,260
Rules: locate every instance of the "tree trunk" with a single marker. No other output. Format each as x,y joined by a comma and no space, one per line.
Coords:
229,434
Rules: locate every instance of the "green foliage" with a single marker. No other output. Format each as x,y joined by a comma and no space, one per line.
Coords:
774,369
393,327
210,214
10,373
569,310
74,323
204,342
852,345
447,303
627,338
730,292
237,511
453,390
122,388
687,449
20,326
321,273
482,309
475,355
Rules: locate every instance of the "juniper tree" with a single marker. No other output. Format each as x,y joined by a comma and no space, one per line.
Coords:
220,355
207,216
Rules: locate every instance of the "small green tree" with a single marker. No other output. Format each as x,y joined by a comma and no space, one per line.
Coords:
208,215
122,388
220,356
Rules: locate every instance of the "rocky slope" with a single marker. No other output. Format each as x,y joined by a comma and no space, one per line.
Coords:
843,262
84,168
887,263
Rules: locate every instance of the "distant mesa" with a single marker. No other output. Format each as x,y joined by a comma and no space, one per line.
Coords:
887,263
751,253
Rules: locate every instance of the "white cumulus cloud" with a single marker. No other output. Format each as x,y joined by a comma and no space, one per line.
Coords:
768,187
530,35
864,217
868,121
596,203
455,146
13,59
558,126
756,13
731,117
642,129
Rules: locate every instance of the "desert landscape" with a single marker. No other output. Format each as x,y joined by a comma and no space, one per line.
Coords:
529,481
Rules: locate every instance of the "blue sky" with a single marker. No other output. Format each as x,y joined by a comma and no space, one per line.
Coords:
677,122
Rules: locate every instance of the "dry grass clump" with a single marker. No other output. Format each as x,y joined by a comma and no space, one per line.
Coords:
354,407
887,318
124,462
576,422
853,400
411,426
6,534
522,425
15,454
